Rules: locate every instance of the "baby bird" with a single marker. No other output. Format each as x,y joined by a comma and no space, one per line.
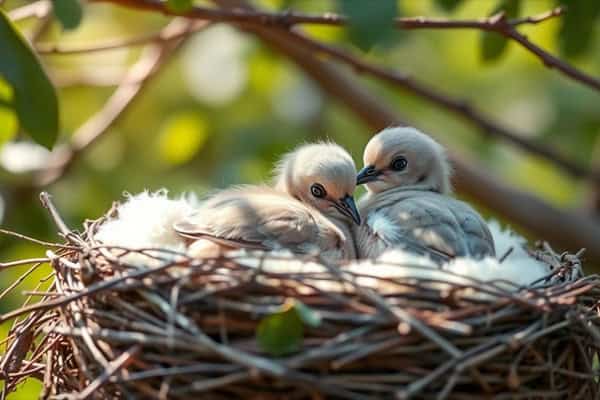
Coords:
408,206
308,210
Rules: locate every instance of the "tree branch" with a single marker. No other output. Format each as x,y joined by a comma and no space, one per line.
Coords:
253,18
496,23
164,35
134,82
288,19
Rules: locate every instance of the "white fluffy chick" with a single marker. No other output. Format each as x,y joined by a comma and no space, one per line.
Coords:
308,210
408,204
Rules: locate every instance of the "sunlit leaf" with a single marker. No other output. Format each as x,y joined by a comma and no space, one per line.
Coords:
578,23
68,12
34,96
181,137
281,333
309,316
180,6
448,5
493,45
371,22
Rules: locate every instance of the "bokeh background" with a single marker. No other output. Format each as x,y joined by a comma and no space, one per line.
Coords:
225,107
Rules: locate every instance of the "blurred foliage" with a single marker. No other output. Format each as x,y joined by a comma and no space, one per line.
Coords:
225,107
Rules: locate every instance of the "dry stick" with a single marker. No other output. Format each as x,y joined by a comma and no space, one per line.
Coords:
153,57
90,290
112,368
37,241
28,261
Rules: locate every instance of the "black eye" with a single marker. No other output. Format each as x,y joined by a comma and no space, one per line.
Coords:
399,164
318,190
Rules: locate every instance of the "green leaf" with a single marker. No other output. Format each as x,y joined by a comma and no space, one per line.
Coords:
371,22
577,30
281,333
68,12
309,316
448,5
34,97
493,45
180,6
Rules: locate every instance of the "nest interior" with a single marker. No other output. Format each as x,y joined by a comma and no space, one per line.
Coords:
244,327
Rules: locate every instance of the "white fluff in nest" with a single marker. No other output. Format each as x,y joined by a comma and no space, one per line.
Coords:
145,220
518,267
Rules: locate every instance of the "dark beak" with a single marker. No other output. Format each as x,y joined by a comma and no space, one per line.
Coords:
367,174
347,207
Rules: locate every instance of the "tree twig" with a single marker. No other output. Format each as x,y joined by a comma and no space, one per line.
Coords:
496,23
133,83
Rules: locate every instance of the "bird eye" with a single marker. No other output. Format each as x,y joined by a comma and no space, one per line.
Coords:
399,164
318,190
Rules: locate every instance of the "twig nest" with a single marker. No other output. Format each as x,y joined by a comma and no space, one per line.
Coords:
257,325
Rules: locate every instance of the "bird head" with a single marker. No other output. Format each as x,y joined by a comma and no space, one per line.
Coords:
322,175
404,157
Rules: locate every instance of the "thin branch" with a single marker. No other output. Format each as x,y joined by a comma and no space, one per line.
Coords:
165,35
456,106
496,23
499,24
288,19
154,56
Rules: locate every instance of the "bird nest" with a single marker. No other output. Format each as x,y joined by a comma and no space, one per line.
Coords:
264,326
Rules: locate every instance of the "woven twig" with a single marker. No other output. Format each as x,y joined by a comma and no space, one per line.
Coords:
179,328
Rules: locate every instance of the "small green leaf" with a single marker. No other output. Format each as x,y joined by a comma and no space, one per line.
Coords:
370,21
281,333
68,12
493,45
34,97
180,6
578,23
309,316
448,5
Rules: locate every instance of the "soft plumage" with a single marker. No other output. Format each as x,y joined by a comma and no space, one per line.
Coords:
408,204
307,211
145,220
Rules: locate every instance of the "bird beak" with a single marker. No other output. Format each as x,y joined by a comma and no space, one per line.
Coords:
347,207
367,174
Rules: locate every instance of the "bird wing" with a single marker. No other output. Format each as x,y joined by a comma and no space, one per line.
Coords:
478,236
425,223
252,218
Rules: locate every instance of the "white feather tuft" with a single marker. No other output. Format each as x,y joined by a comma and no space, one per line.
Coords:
145,220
